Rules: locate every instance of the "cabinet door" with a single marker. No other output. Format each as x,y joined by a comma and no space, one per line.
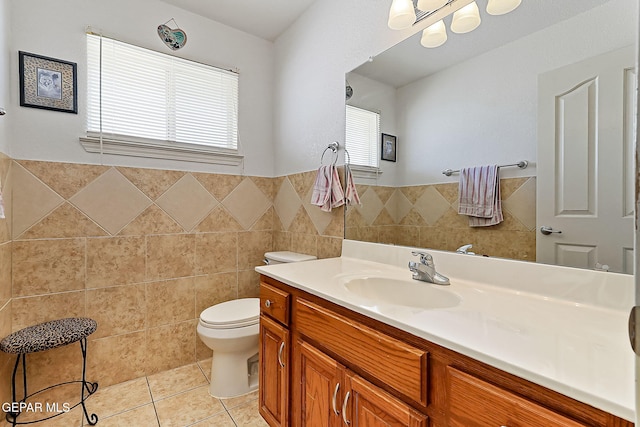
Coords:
476,403
369,406
321,387
274,372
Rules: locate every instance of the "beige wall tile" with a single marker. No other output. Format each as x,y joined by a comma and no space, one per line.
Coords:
187,202
66,179
46,368
5,272
152,221
266,221
152,182
111,200
252,245
6,360
31,199
46,266
302,182
216,252
336,226
115,261
281,241
287,203
112,360
247,203
171,345
266,185
220,186
28,311
118,310
214,289
219,220
203,353
304,243
302,223
170,301
64,221
329,247
248,284
170,256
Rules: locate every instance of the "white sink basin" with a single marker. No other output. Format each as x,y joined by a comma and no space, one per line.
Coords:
408,293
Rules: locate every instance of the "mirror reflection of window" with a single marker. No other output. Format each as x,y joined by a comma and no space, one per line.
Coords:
362,133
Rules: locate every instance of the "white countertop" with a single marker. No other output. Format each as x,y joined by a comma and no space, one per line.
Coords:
571,339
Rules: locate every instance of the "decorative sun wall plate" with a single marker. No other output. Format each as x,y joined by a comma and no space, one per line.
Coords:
174,38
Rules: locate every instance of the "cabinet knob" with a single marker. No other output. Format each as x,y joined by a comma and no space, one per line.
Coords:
344,408
335,396
267,303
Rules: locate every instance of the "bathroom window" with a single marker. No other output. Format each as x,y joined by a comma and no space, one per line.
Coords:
145,103
362,134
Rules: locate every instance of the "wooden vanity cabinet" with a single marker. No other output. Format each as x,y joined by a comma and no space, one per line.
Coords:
345,369
274,343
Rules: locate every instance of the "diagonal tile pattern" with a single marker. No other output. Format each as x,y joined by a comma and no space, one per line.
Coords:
111,200
247,203
187,202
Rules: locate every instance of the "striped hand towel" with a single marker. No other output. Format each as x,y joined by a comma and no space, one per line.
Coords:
479,195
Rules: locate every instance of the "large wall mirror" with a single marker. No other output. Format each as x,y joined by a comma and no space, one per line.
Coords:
552,83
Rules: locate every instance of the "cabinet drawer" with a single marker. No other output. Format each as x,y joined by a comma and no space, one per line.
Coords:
275,303
394,362
475,403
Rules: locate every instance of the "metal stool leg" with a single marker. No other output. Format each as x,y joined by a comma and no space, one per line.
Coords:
88,386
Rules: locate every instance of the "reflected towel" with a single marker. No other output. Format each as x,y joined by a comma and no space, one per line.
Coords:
351,192
479,195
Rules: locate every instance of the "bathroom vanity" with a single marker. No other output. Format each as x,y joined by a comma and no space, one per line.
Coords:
354,341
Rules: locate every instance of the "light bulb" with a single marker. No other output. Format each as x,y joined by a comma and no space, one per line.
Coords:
466,19
434,35
431,5
500,7
401,15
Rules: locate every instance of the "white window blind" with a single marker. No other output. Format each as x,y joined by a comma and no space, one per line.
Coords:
136,93
362,135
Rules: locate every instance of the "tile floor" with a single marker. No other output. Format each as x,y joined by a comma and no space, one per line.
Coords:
174,398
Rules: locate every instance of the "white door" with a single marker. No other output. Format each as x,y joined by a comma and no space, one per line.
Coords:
585,183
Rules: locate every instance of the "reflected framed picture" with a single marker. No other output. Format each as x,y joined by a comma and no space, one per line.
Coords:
48,83
388,149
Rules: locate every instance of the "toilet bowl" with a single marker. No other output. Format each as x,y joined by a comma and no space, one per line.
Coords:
231,330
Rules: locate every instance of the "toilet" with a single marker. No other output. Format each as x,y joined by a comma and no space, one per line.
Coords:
231,330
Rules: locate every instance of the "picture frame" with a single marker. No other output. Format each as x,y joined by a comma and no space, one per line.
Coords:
48,83
388,148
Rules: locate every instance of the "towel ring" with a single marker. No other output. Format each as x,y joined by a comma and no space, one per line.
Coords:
334,149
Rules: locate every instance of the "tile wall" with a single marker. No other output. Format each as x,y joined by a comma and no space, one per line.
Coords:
6,361
143,252
426,216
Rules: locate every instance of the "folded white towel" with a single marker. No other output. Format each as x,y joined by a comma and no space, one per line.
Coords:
350,191
479,195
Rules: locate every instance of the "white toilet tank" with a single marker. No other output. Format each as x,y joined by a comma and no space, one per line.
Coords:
282,257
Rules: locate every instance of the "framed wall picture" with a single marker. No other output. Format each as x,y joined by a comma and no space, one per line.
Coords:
48,83
388,149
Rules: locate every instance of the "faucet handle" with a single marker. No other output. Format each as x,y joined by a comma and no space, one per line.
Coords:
425,258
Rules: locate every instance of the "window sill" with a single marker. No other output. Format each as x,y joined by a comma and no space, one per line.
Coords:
162,150
366,172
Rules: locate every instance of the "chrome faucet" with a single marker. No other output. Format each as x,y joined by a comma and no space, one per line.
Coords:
465,250
425,270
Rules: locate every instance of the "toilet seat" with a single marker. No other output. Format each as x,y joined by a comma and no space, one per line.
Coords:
237,313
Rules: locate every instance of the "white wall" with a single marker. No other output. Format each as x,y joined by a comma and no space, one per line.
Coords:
484,110
372,95
331,38
4,75
57,29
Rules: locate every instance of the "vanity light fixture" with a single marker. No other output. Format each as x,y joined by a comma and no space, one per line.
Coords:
466,19
401,15
500,7
405,13
435,35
